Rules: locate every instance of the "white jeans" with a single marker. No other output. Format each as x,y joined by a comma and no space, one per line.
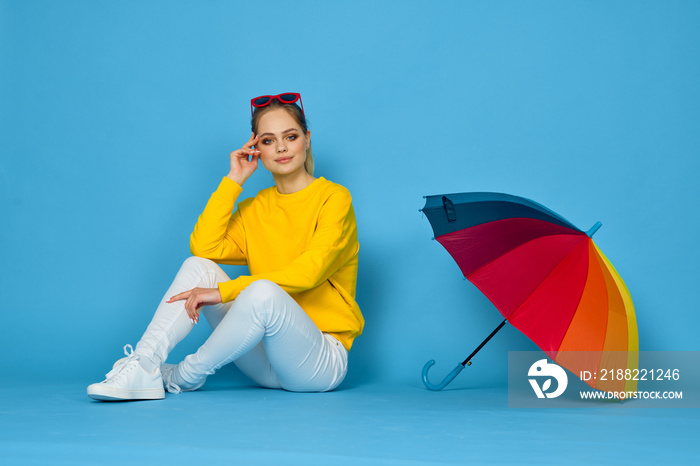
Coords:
264,332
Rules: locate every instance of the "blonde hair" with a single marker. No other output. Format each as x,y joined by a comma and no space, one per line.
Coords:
309,162
297,114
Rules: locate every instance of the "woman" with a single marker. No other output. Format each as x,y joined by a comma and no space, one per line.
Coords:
291,322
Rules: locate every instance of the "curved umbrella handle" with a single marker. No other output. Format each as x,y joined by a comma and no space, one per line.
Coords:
449,378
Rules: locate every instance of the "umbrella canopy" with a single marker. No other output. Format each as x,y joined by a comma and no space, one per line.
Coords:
545,276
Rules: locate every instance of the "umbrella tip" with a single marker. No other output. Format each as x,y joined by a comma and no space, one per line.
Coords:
593,229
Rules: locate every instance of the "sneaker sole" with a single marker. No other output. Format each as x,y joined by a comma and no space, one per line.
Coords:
112,394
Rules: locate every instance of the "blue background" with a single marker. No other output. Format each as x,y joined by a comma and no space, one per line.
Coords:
117,118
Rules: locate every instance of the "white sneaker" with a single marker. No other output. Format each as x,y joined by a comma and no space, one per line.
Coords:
128,381
167,372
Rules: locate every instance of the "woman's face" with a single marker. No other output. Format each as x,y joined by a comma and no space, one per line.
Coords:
281,142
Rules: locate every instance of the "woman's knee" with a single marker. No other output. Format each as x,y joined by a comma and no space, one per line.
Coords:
263,288
198,262
201,272
262,296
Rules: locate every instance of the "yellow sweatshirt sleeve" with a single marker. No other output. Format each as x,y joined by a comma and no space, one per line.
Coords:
218,235
333,242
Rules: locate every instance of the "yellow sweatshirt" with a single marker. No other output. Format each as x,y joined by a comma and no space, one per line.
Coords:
305,242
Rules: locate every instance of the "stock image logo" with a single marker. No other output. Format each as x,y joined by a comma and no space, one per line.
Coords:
544,371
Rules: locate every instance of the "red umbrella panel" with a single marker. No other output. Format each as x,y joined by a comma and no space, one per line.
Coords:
545,276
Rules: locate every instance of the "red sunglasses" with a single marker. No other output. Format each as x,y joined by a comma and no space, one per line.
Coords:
286,98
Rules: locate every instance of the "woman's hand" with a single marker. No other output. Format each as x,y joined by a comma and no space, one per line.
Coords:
244,161
195,299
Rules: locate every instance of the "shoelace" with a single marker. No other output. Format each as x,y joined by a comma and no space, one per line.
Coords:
123,363
170,386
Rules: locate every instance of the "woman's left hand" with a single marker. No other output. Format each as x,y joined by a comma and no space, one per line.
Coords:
195,299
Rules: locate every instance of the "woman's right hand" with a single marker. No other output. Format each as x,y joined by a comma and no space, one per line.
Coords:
244,161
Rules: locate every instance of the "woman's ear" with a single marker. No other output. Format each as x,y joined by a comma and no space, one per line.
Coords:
308,139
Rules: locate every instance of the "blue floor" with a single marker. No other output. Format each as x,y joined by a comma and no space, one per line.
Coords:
373,424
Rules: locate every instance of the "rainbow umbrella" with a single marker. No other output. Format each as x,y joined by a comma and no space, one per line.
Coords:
545,276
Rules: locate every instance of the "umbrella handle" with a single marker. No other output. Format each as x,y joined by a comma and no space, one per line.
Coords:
449,378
